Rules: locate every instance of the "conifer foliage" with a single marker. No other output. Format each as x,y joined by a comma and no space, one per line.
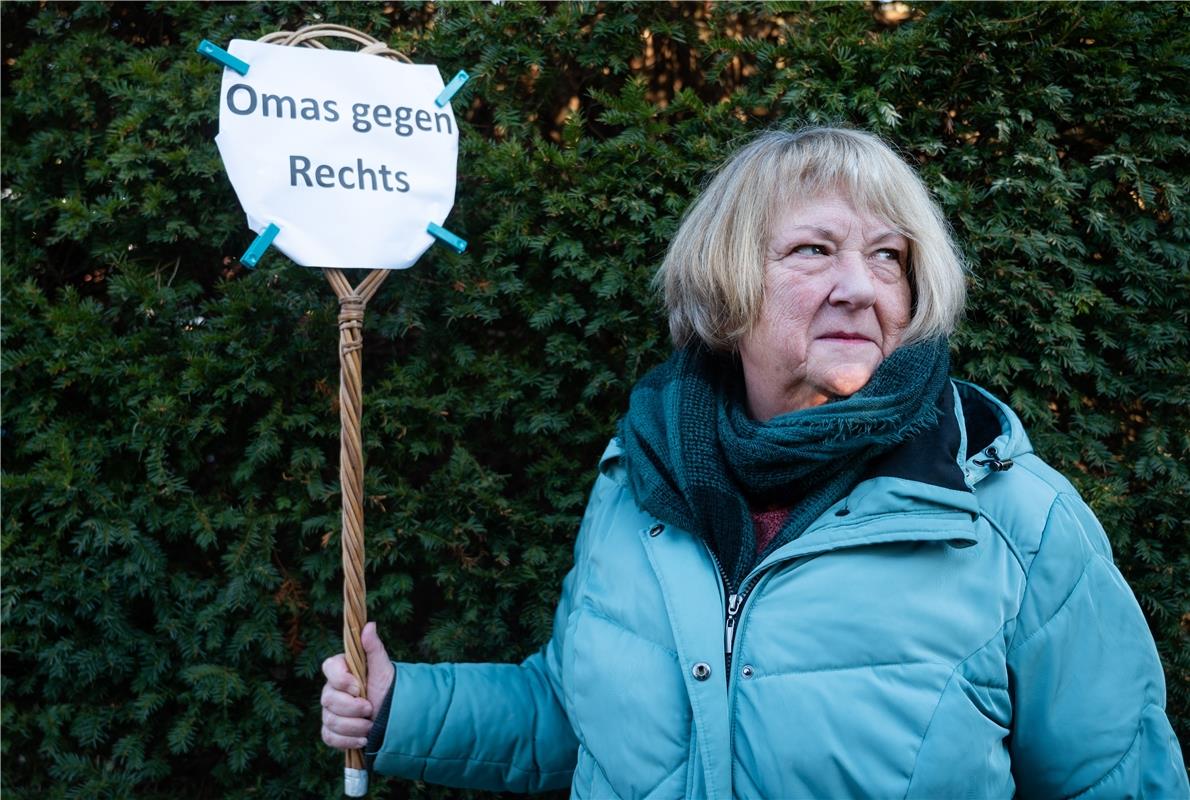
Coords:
170,429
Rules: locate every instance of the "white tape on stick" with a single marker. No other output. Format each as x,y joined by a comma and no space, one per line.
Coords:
355,782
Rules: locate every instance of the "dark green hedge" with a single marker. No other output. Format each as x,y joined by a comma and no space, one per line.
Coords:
170,433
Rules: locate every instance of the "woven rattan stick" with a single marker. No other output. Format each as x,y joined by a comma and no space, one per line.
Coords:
351,454
352,303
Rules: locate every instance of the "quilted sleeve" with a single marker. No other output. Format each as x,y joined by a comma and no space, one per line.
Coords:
1088,691
500,727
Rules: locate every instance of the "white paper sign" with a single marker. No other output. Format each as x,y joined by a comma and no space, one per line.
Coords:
345,152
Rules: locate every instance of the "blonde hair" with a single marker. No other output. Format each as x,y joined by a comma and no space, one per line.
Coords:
712,277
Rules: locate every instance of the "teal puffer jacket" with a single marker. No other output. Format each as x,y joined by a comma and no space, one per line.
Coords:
954,628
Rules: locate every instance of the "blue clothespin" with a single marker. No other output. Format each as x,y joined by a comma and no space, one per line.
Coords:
256,249
455,84
442,234
220,56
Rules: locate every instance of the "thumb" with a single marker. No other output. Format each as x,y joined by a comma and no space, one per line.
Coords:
373,647
380,669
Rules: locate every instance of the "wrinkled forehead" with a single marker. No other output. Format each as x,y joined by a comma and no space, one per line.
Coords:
874,187
831,207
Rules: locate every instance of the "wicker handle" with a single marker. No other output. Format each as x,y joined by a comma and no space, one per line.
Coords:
351,478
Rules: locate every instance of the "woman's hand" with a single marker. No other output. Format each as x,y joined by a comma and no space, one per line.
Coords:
347,717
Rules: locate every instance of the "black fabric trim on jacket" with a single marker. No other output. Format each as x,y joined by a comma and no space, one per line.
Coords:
983,426
379,727
930,457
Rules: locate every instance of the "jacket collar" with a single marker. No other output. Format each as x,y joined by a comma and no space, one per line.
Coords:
932,456
922,491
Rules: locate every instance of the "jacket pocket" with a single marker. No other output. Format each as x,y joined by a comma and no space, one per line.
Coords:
590,782
628,705
964,752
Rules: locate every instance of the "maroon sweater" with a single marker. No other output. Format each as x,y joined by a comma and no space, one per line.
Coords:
767,524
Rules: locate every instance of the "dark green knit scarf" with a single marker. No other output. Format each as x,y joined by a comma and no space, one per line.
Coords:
697,460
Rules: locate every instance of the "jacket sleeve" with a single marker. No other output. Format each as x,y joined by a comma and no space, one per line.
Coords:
1088,691
500,727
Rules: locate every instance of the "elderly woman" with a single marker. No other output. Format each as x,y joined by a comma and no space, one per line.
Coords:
812,564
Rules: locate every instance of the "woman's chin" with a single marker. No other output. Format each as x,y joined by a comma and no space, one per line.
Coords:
845,380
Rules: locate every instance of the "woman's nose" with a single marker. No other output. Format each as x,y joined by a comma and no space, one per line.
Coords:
853,280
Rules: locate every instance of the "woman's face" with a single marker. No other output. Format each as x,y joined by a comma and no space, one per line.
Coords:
836,301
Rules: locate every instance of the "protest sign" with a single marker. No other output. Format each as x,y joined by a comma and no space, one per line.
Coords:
340,159
346,153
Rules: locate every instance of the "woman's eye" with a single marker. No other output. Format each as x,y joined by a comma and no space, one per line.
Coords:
889,254
809,250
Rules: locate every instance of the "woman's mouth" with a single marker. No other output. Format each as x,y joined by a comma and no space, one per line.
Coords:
845,336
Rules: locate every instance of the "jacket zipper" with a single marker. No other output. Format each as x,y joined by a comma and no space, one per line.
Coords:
735,606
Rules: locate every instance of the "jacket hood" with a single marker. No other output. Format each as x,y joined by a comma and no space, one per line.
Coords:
992,432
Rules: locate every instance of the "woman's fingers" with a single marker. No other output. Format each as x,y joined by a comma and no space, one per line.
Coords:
346,717
344,731
344,705
339,676
345,726
346,720
341,742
